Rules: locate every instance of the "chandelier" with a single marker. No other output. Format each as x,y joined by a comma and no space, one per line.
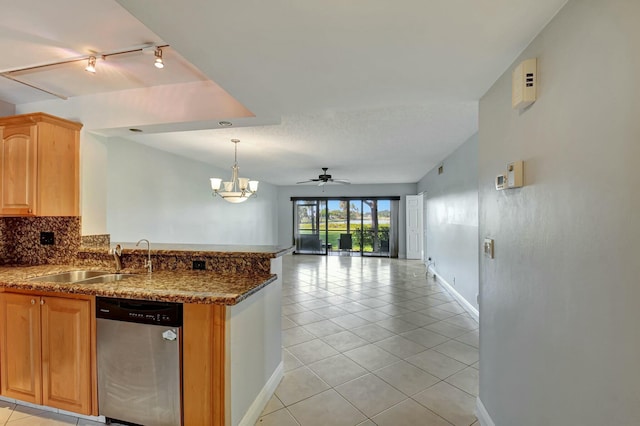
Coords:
238,189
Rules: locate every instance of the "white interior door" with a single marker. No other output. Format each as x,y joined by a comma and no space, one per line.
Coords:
425,240
414,226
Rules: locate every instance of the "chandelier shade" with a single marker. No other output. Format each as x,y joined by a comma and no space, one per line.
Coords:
238,189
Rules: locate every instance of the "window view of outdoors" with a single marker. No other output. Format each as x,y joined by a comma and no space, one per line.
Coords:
358,226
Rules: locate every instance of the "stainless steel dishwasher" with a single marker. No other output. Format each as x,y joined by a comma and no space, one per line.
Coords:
139,359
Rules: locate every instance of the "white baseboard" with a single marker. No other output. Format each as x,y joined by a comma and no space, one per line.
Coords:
464,302
253,413
483,415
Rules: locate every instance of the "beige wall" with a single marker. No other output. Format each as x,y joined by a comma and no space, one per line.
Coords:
558,305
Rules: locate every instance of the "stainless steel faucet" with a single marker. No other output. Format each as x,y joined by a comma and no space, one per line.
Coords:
117,255
147,264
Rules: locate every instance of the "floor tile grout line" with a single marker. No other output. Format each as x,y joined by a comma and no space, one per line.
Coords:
427,408
448,339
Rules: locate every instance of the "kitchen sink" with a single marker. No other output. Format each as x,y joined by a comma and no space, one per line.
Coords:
106,278
69,277
84,277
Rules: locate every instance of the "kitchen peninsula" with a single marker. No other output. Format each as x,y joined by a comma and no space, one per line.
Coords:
231,361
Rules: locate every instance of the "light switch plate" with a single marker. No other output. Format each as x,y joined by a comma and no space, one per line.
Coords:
488,248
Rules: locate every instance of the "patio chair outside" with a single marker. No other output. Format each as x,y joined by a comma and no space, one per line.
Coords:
346,243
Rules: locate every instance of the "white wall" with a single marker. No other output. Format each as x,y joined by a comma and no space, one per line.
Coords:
452,219
559,326
285,209
254,350
167,198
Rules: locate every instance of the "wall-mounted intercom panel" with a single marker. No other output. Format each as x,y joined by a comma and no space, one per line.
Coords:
523,84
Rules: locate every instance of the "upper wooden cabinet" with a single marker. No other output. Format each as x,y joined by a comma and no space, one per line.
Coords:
39,166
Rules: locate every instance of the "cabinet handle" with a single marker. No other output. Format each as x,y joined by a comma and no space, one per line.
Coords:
33,302
42,301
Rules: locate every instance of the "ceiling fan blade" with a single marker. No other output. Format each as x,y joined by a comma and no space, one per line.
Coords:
322,183
309,181
346,182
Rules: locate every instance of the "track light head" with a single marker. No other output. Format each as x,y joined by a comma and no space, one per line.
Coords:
91,65
158,54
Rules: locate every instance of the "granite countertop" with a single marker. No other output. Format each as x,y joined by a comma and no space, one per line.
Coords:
197,249
168,286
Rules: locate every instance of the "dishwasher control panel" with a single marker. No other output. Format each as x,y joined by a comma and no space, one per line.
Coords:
139,311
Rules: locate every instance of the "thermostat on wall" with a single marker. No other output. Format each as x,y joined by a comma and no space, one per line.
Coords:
513,178
515,174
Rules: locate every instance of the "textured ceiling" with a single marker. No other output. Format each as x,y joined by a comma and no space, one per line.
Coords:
365,146
376,91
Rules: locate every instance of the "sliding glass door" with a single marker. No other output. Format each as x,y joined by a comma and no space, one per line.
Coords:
376,218
310,226
353,226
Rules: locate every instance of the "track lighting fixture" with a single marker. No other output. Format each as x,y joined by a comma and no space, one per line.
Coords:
91,66
159,63
91,59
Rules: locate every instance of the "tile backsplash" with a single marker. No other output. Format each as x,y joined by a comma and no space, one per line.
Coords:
20,240
20,244
99,240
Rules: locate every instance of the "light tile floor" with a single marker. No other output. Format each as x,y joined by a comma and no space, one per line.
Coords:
19,415
366,341
372,341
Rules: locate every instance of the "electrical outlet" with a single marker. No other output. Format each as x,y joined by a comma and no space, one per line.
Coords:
199,265
47,238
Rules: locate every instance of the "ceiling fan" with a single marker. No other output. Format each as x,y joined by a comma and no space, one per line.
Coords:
325,178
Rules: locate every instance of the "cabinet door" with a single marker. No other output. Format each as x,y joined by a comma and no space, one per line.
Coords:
20,344
66,354
19,163
58,171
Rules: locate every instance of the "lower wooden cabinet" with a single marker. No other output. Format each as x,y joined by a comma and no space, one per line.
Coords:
47,351
204,365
